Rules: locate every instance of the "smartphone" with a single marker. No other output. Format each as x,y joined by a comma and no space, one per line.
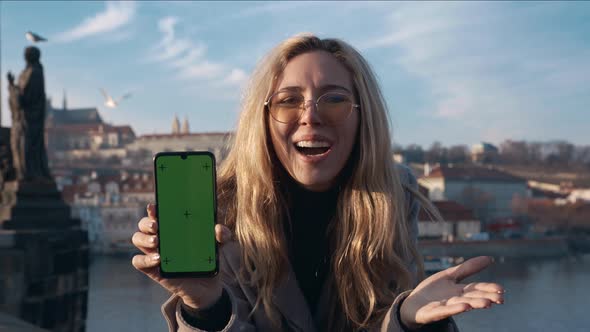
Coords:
186,201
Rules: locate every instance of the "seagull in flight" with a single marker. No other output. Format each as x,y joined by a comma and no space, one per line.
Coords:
110,102
35,38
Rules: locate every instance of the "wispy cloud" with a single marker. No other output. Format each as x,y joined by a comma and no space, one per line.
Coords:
479,70
202,69
267,8
191,56
115,16
236,76
189,59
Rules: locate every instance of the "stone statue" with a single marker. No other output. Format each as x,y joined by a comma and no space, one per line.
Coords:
27,135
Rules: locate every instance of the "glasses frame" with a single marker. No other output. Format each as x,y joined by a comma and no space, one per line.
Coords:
315,103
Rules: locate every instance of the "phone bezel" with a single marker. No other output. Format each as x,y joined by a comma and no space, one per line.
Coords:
198,274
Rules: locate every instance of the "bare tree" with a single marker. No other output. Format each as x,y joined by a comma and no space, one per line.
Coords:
479,201
414,154
458,154
436,154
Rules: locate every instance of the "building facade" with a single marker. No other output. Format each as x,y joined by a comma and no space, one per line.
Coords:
109,204
484,153
488,192
459,223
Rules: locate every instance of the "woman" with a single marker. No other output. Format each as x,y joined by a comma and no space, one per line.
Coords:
318,227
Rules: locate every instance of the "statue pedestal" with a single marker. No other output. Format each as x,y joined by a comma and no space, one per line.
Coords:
43,258
33,205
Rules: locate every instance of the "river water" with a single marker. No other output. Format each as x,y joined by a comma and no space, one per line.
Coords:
541,295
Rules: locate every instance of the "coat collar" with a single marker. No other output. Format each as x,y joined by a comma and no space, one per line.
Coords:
291,303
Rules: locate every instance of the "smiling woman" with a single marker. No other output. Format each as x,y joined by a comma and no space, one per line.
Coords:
313,143
318,223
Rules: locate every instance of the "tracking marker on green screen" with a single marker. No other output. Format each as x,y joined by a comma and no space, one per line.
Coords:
185,192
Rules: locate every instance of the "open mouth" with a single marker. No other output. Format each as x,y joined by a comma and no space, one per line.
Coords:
312,148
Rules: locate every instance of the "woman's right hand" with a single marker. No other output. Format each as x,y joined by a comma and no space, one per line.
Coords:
194,292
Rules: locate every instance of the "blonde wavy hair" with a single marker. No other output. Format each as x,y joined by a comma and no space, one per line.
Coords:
371,243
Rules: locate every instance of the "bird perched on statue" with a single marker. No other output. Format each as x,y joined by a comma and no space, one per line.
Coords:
35,38
110,102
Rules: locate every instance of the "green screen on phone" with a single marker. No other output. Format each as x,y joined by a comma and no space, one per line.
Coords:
185,195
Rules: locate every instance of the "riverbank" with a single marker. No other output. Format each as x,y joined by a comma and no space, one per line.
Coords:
552,247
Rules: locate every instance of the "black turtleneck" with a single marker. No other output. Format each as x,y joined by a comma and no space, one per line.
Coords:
308,215
306,227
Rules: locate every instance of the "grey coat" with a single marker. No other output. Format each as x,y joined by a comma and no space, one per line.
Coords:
289,299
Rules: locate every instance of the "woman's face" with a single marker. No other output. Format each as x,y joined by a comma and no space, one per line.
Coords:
312,150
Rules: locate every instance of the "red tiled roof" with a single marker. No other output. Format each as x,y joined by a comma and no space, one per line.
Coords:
146,185
143,190
533,203
547,193
124,130
472,173
69,191
450,211
104,179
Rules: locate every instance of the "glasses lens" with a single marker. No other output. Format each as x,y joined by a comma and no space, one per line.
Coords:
334,107
286,106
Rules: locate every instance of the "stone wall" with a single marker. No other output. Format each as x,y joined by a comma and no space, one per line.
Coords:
44,277
13,324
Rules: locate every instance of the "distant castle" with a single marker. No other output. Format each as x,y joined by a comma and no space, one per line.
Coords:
81,132
82,129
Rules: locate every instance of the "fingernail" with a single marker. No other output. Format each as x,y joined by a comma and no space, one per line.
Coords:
156,257
152,225
492,258
153,239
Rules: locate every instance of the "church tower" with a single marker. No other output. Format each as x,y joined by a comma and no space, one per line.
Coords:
185,126
175,125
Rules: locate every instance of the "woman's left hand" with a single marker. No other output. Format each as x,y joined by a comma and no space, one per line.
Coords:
442,295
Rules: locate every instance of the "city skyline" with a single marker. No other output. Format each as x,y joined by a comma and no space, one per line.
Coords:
457,73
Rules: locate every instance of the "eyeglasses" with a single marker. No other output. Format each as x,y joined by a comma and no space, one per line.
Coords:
287,107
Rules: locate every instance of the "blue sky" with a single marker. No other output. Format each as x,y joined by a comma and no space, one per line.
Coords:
458,72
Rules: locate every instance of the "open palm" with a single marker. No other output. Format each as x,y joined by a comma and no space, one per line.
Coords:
443,295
